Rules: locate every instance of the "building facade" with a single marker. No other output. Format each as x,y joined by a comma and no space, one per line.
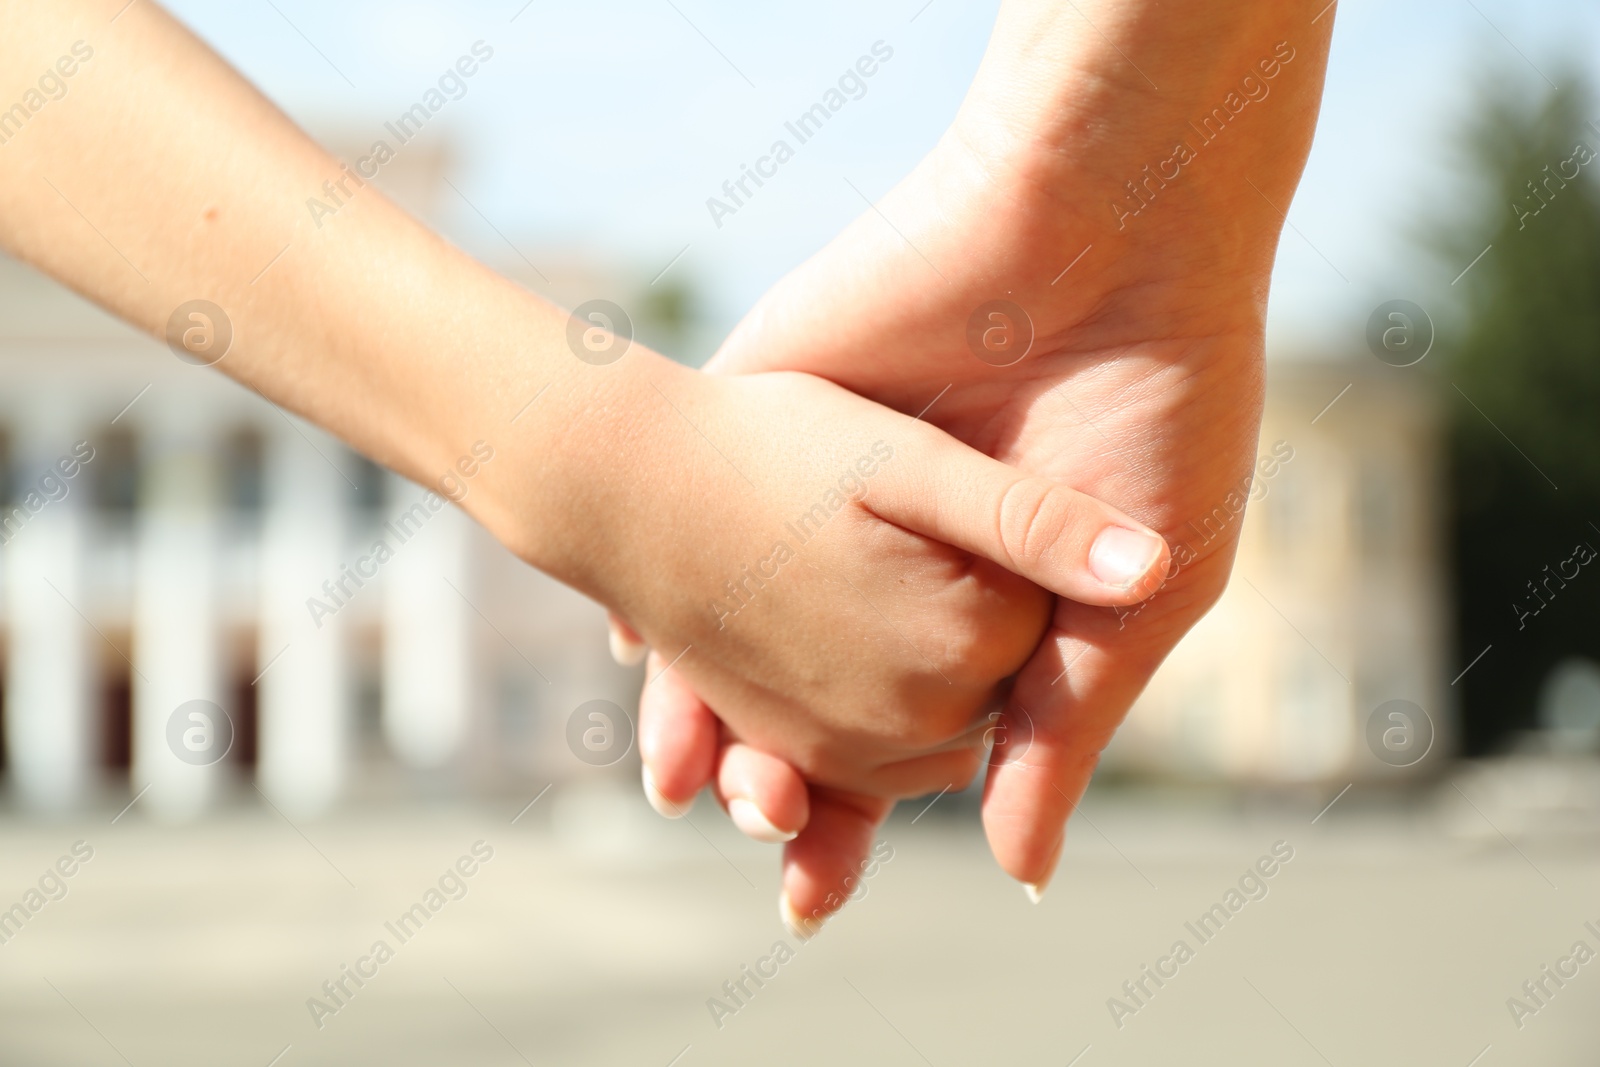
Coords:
202,596
1337,605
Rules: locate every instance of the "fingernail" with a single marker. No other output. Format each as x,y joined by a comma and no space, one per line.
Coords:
804,929
662,805
1035,890
1120,557
625,650
752,822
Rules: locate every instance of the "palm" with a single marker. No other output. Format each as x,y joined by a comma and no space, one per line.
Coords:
1123,396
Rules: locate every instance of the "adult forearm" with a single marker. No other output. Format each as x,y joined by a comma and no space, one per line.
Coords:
1121,111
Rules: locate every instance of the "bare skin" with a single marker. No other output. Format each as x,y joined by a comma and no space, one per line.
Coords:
1143,385
866,654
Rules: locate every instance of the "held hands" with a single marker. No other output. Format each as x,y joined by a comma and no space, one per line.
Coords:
862,655
844,586
1142,385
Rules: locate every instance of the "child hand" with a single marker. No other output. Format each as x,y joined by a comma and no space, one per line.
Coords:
839,587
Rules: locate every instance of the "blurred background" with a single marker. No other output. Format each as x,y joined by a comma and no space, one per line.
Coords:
1401,688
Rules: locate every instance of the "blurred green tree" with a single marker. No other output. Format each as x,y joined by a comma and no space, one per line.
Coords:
667,312
1522,360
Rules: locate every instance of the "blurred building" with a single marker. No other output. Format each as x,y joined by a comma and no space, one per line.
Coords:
165,535
184,527
1337,605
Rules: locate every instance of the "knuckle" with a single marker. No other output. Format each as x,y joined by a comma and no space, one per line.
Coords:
965,770
931,719
818,759
926,734
987,649
928,728
1032,518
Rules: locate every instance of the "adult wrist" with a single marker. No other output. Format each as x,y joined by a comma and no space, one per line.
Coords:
1102,83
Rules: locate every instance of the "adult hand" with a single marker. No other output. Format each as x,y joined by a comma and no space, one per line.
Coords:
427,362
845,585
1135,228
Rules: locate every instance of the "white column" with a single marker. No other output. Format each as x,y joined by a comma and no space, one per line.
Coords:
51,662
426,653
302,697
176,625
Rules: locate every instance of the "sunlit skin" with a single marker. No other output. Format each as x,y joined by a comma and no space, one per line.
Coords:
1143,385
875,641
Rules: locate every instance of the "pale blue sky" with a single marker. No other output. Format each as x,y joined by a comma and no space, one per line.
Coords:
606,123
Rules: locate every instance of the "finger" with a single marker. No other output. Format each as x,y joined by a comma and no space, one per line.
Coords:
1067,703
765,797
627,647
1066,541
950,772
677,741
826,863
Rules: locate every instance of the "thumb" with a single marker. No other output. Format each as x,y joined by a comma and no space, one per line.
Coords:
1066,541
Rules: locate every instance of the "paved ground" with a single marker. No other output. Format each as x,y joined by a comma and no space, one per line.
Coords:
596,935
